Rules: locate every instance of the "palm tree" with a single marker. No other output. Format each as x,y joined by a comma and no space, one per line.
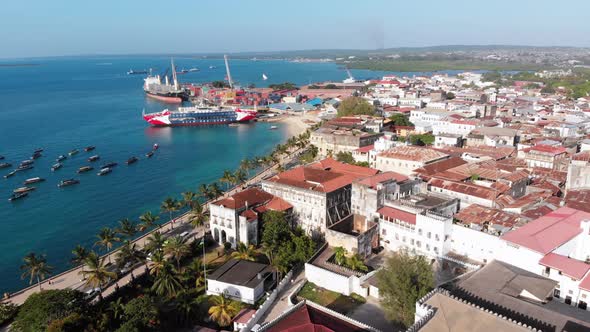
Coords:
169,205
356,263
177,248
106,238
227,178
204,191
35,267
240,176
155,242
340,256
198,215
244,252
148,220
127,228
215,190
188,306
246,164
117,308
167,283
128,253
188,199
157,263
95,273
80,253
223,310
197,270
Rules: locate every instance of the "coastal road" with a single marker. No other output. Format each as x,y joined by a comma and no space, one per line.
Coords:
72,278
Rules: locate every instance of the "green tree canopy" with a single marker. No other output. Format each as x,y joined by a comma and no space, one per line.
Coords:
345,157
283,86
219,84
40,309
141,314
399,119
355,106
403,280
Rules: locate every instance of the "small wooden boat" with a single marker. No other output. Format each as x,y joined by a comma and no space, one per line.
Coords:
5,165
94,158
68,182
36,155
109,165
27,162
9,174
38,151
89,148
61,158
131,160
23,168
14,197
104,171
73,152
273,127
55,167
149,154
84,169
23,189
34,180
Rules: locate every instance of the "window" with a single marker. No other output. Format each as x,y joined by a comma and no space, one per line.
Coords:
419,244
582,305
412,241
404,239
397,237
383,232
556,293
568,300
427,247
419,231
428,235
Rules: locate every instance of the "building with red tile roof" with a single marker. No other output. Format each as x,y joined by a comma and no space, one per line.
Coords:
235,219
320,193
405,159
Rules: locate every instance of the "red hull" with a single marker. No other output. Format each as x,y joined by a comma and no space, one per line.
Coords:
172,100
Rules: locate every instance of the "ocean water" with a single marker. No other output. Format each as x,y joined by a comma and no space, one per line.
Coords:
73,102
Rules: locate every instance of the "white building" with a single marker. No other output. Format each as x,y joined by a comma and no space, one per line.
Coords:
240,280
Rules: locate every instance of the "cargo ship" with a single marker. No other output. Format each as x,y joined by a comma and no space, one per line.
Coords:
199,116
165,91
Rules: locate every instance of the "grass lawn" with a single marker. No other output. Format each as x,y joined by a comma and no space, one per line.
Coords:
332,300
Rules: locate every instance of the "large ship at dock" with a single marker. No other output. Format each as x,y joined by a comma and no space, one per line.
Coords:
199,116
170,92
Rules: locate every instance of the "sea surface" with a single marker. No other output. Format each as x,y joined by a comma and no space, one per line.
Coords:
71,102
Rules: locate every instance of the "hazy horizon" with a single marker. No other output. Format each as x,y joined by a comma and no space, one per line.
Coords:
71,28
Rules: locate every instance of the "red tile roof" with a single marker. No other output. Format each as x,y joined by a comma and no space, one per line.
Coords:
278,204
249,215
553,150
309,319
365,149
393,213
324,176
572,268
585,284
372,181
477,214
578,199
467,188
252,196
549,232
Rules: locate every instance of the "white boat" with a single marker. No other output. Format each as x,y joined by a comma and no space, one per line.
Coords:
273,127
264,77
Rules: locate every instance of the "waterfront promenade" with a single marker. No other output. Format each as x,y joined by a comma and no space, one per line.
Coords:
73,280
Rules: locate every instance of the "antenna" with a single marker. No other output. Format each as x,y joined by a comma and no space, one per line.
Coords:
229,80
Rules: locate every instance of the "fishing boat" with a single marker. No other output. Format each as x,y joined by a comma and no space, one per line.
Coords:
55,167
104,171
212,67
131,160
14,197
89,148
109,165
23,189
149,154
68,182
93,158
85,169
192,70
60,158
36,155
9,174
73,152
27,162
38,151
273,127
34,180
5,165
23,168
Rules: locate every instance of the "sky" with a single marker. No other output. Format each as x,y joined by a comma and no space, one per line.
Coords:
33,28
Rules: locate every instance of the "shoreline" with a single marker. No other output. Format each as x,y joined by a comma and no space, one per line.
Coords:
295,125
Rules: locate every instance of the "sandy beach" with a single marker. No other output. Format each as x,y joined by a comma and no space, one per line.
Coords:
297,124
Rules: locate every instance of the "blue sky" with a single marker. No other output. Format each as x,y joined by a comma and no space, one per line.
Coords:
68,27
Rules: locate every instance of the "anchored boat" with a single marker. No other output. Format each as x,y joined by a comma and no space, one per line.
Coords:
14,197
68,182
34,180
85,169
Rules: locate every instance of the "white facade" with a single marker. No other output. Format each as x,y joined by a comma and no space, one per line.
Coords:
236,292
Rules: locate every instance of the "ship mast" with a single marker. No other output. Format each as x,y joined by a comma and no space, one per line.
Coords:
174,78
231,84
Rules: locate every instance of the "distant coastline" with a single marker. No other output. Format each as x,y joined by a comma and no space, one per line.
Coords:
19,64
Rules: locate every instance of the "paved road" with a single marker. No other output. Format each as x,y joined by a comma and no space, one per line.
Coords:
72,278
282,302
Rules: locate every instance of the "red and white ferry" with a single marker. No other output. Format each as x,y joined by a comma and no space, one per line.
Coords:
199,116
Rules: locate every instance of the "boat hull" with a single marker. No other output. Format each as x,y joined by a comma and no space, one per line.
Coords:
194,119
166,99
